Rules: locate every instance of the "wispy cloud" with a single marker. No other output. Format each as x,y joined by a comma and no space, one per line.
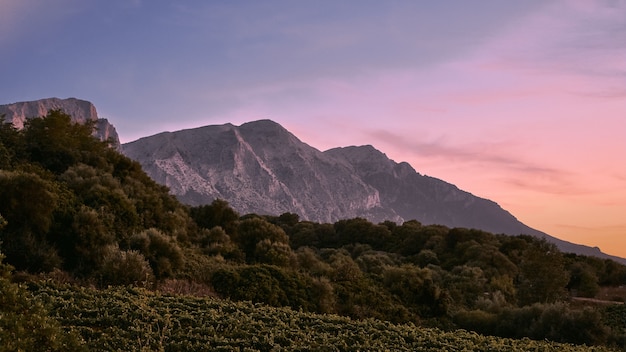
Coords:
495,158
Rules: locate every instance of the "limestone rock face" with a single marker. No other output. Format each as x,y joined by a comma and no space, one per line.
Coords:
260,167
80,111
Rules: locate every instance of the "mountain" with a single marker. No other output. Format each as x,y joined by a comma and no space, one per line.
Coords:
260,167
79,110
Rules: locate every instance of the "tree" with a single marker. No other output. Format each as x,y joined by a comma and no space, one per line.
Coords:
28,205
56,143
543,277
253,230
360,230
274,253
416,288
583,280
218,213
12,148
161,251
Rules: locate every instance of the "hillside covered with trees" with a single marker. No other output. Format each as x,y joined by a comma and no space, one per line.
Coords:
75,213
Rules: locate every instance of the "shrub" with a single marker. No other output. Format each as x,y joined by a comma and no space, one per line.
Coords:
25,324
125,268
161,251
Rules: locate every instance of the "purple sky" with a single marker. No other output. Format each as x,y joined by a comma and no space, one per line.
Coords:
521,102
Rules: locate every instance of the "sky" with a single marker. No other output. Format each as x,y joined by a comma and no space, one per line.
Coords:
520,102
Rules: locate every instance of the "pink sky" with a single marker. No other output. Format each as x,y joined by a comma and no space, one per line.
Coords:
525,120
521,102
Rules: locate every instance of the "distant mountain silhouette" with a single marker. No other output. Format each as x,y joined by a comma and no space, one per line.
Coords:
260,167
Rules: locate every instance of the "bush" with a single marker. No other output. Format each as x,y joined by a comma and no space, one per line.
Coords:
125,268
25,324
162,252
268,284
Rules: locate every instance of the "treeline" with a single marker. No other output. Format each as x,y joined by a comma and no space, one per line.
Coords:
72,207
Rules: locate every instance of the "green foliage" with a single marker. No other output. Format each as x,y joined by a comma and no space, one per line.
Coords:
134,319
543,277
583,280
265,284
12,146
125,268
555,322
614,317
218,213
28,205
359,230
25,324
68,199
100,218
56,143
28,200
416,288
252,231
216,242
162,252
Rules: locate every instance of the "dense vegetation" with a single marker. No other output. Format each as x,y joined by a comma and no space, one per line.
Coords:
75,210
124,318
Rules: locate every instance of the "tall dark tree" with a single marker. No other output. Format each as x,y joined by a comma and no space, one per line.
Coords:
543,277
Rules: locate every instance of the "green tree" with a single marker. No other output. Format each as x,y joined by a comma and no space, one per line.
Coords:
583,280
253,230
218,213
274,253
417,288
161,251
125,268
216,242
56,143
466,284
543,277
12,147
360,230
28,205
88,239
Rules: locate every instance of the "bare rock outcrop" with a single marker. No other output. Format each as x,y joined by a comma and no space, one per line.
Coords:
80,111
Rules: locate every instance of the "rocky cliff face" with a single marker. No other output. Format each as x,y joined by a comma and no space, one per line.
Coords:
259,167
79,110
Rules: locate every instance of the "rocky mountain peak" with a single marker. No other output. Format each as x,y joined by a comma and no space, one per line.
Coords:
366,158
80,111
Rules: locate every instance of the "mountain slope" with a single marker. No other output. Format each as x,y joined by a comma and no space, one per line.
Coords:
259,167
433,201
79,110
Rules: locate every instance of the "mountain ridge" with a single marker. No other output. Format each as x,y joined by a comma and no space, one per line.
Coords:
260,167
